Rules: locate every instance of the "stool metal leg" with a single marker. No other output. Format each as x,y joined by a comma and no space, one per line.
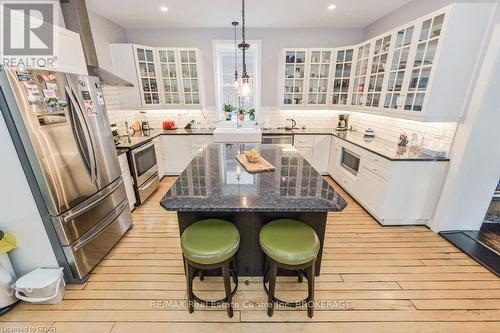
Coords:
273,271
299,276
189,282
201,274
310,289
234,265
227,288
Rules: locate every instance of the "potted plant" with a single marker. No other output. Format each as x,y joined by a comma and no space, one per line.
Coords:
251,114
241,114
228,111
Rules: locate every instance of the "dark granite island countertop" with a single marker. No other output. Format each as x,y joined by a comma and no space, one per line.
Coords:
215,185
216,181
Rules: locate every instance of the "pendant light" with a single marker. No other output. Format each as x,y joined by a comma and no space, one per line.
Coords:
235,25
245,86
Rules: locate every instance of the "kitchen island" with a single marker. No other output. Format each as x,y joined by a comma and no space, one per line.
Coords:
215,185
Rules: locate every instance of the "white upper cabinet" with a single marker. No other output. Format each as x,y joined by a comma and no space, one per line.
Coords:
161,76
294,75
360,74
398,70
378,70
147,74
422,70
318,74
342,76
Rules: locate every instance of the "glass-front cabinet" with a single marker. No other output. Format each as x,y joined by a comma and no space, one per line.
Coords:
179,76
146,70
295,76
318,74
360,74
428,40
169,77
189,70
342,76
398,68
378,71
421,70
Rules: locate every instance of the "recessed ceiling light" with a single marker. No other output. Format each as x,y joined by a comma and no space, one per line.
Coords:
164,9
332,7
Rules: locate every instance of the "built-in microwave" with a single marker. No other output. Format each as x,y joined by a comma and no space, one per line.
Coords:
350,161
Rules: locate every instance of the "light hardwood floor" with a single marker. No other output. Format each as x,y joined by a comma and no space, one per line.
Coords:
374,279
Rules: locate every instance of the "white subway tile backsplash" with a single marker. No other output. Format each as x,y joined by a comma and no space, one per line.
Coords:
430,133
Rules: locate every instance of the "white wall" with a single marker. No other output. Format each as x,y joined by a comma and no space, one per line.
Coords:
104,33
19,214
273,41
475,156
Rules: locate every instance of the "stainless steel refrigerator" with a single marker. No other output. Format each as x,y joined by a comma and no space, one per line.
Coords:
60,124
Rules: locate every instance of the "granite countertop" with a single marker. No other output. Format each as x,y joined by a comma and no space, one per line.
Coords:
387,149
384,148
216,181
146,136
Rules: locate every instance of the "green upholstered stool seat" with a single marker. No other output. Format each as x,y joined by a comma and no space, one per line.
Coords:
210,241
289,242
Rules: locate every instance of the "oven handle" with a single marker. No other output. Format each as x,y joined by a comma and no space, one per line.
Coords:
142,148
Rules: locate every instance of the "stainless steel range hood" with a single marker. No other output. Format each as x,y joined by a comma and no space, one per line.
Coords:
76,19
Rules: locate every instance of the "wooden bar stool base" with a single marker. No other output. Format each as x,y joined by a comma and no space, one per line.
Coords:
270,275
194,269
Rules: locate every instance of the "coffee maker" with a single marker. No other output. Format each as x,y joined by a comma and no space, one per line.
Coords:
343,123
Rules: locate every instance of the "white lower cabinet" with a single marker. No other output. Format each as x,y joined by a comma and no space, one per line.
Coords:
321,153
160,162
176,153
394,192
127,180
179,150
315,149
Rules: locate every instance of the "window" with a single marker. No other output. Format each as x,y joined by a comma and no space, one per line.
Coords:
224,66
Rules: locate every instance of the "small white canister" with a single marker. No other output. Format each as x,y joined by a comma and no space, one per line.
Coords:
42,286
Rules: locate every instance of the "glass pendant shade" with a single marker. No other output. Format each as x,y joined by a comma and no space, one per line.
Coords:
245,88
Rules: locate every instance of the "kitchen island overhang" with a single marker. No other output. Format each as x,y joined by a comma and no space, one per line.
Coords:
215,185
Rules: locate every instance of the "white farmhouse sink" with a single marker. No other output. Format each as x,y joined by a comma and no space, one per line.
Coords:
237,135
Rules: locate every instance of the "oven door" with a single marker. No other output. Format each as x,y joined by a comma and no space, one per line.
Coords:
350,161
144,163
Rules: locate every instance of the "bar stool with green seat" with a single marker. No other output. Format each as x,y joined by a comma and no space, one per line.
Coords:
291,245
210,244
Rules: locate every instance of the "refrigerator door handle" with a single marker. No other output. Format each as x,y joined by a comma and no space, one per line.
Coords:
100,227
88,140
78,136
84,206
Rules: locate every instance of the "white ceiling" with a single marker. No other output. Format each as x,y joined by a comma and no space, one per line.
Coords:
259,13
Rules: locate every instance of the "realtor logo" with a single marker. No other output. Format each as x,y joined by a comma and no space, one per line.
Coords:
27,29
27,33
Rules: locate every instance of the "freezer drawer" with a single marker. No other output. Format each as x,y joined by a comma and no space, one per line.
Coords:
77,221
86,252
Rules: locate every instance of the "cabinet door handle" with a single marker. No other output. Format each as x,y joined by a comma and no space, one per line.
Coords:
373,169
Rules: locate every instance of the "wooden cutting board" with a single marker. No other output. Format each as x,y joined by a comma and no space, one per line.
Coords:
261,166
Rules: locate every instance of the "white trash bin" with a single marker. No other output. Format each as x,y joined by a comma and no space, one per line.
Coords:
42,286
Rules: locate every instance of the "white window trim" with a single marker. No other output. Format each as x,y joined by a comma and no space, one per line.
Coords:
216,48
